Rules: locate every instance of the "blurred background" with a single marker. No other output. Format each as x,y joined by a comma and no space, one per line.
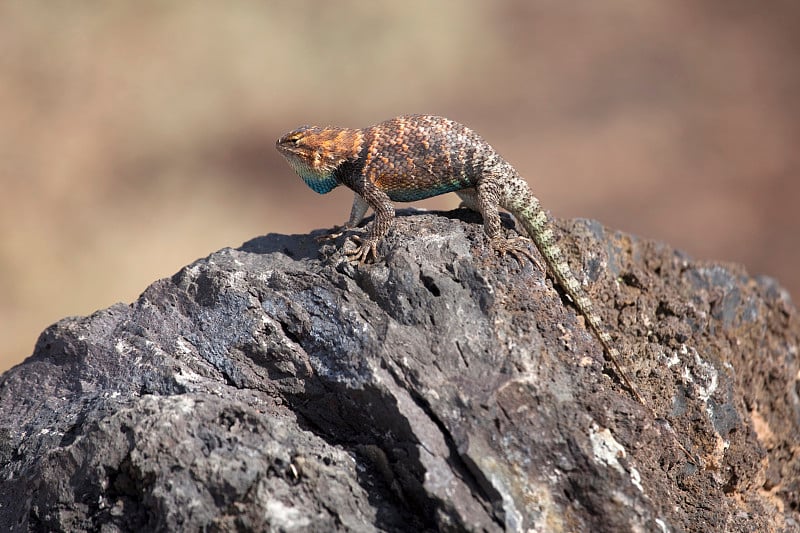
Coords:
136,137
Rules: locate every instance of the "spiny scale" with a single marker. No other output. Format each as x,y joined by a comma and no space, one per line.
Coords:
412,157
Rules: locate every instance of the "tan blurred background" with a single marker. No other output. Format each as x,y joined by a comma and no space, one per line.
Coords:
136,137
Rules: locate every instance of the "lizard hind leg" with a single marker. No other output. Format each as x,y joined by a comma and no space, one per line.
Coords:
516,247
486,199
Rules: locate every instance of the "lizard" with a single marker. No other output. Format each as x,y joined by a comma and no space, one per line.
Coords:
413,157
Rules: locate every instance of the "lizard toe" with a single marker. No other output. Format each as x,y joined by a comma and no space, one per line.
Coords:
362,252
517,247
335,233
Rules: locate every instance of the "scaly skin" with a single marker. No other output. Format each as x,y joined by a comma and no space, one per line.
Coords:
413,157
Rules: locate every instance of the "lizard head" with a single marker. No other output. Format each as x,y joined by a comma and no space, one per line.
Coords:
315,153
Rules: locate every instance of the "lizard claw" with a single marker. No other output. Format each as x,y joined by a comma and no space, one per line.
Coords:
363,251
517,248
335,233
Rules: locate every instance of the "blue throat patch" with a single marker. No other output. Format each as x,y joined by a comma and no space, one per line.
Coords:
320,184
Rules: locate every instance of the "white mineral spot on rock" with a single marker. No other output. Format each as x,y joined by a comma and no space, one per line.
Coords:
283,516
607,450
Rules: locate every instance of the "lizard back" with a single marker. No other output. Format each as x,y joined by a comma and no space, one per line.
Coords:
413,157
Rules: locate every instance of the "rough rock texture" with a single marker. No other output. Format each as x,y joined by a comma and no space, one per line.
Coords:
277,387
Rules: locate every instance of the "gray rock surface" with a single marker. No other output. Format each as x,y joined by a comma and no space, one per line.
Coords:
277,387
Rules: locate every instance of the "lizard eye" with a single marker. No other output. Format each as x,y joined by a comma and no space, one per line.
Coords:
294,139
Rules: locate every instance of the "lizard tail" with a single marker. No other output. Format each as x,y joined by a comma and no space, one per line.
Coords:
516,197
526,208
539,226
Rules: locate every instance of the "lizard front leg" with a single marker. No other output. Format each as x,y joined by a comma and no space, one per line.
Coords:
384,219
357,213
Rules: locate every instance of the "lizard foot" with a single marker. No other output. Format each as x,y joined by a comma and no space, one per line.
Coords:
363,251
335,233
517,247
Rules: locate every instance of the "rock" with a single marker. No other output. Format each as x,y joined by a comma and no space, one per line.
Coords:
278,387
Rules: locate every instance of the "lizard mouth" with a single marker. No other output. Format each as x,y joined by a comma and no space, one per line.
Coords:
285,147
291,142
